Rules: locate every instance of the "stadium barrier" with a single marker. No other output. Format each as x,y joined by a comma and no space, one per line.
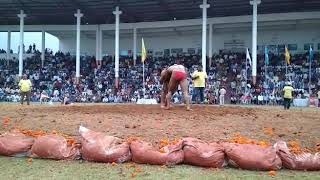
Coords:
147,101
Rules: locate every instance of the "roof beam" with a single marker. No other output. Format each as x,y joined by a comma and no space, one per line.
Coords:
166,8
131,16
84,9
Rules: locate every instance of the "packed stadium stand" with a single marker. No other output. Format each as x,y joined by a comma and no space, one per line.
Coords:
172,31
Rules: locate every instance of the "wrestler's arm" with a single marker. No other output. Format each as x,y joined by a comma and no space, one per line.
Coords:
164,92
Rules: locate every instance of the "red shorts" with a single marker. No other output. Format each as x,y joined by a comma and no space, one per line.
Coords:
179,76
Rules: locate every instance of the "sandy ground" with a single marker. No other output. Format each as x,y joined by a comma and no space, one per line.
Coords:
209,123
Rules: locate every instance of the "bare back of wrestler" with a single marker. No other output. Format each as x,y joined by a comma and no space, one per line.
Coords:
174,76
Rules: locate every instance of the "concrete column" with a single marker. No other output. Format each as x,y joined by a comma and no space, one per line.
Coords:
116,69
134,46
21,16
78,15
210,44
98,46
254,3
204,8
43,47
8,47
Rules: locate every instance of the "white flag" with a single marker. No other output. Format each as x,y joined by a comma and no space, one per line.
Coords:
248,57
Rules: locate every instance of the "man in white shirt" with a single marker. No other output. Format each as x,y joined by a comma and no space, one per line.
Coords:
260,99
222,93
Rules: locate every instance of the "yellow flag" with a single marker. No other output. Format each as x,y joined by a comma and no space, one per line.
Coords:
287,56
143,52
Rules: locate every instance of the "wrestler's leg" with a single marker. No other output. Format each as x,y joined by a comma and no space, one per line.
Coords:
174,90
171,89
184,89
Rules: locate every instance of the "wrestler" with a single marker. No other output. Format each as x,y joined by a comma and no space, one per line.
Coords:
178,77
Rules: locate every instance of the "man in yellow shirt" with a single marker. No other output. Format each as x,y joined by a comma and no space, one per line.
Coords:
25,89
287,95
199,83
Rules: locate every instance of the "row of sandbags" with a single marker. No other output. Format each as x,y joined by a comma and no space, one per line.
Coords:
99,147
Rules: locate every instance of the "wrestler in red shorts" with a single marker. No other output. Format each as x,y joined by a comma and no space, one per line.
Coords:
174,76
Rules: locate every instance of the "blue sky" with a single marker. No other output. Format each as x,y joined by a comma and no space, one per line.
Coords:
52,42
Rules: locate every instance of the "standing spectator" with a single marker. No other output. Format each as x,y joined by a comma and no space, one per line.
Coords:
25,89
199,82
260,99
287,95
222,93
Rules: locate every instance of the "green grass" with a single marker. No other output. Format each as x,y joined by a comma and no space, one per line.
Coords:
19,168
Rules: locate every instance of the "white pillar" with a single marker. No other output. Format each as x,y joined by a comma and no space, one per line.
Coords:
210,44
116,69
43,47
100,45
204,7
78,15
97,42
134,46
21,16
8,47
254,3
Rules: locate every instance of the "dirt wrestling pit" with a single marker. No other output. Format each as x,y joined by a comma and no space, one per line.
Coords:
209,123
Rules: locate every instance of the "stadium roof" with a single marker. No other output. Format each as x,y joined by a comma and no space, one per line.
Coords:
100,11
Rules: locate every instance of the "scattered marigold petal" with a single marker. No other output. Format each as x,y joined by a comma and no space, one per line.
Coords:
29,160
114,164
162,150
272,173
133,175
138,170
243,140
268,131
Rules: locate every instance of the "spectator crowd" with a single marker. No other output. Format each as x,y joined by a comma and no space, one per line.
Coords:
56,80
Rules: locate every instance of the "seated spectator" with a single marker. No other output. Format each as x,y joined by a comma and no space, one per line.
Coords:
44,97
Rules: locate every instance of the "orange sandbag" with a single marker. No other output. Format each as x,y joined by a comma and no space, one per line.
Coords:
54,147
200,153
99,147
303,161
145,153
252,157
15,144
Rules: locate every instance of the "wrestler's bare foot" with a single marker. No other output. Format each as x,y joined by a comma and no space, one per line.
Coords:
167,108
189,109
162,106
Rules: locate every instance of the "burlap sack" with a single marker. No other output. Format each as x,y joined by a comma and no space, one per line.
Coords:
252,157
100,147
145,153
15,144
54,147
200,153
304,161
